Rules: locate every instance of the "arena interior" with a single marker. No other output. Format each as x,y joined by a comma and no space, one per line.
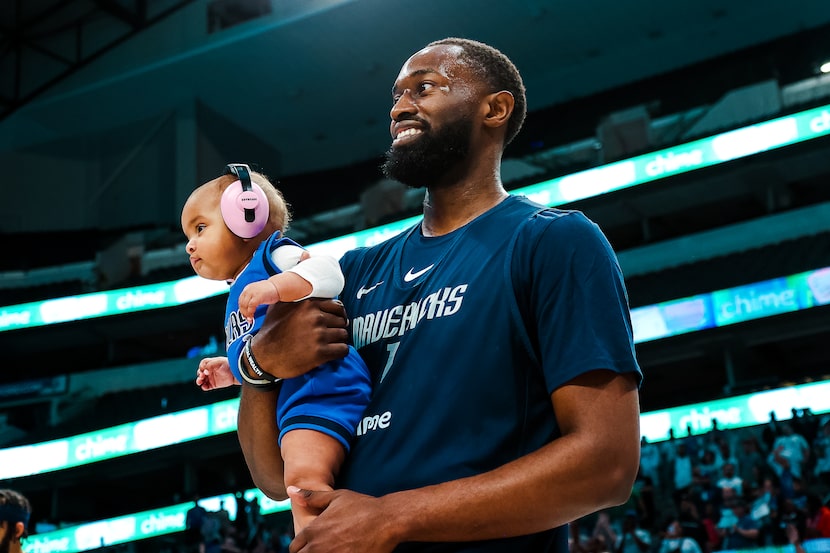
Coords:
696,134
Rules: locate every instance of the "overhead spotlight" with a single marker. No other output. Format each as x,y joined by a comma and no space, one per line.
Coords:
825,67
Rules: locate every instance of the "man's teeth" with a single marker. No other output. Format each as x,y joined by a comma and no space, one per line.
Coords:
407,132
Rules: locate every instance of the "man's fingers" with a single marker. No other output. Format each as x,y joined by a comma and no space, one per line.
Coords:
309,498
333,334
332,307
297,495
337,351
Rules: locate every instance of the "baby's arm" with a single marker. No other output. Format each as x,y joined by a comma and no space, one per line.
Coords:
303,277
213,373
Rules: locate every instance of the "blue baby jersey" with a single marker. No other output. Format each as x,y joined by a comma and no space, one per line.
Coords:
467,335
331,397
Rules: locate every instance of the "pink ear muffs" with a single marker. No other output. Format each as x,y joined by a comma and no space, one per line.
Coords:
244,204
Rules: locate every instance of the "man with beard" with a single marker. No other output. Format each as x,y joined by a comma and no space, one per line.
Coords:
497,331
14,520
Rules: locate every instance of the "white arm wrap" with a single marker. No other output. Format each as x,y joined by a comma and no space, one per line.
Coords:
321,271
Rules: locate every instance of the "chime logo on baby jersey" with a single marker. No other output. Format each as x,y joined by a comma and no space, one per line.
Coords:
235,327
398,320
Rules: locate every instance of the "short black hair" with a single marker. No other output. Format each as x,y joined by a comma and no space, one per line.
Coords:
19,506
499,72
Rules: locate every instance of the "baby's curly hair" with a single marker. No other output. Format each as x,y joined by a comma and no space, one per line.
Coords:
279,212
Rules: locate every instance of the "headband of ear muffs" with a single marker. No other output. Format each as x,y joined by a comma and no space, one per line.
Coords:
244,204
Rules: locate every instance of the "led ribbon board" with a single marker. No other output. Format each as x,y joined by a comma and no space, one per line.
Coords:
118,441
111,302
720,308
706,152
139,526
735,412
731,305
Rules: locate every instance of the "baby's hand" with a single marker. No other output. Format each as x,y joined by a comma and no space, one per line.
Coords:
256,294
214,373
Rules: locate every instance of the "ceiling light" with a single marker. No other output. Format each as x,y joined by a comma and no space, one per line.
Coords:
825,67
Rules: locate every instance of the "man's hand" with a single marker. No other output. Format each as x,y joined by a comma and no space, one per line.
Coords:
296,337
350,523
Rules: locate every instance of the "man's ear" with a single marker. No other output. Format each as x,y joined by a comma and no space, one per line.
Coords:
19,528
499,108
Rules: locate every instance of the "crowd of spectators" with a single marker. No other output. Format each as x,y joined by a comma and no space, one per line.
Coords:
736,489
215,532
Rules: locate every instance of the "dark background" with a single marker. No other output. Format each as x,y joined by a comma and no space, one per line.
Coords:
112,111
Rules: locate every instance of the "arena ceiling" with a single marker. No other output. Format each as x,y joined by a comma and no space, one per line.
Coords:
312,78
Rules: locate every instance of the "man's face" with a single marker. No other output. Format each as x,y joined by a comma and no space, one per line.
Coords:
435,102
436,152
6,538
674,530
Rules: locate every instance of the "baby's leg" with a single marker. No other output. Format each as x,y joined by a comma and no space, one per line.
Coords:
312,460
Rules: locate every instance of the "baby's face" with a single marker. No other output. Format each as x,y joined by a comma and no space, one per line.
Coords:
215,252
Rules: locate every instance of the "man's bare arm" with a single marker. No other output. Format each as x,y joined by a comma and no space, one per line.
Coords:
258,433
591,467
294,338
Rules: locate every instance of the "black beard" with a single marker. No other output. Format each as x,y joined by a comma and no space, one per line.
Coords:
431,156
6,542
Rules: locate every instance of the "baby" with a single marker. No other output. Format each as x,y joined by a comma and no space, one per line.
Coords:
234,225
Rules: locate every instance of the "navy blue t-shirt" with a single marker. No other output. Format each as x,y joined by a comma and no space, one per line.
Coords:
466,336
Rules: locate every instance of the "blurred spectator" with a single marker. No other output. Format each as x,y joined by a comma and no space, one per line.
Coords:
788,515
743,531
710,442
804,423
821,448
703,487
691,522
255,521
603,535
724,503
794,539
286,535
212,533
224,517
15,510
241,524
194,518
729,479
726,452
708,465
676,542
817,523
770,432
763,508
710,520
790,452
799,494
693,443
683,476
229,542
632,538
650,461
750,461
643,495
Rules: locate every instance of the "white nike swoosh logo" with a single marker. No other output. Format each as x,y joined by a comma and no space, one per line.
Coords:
410,276
363,290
